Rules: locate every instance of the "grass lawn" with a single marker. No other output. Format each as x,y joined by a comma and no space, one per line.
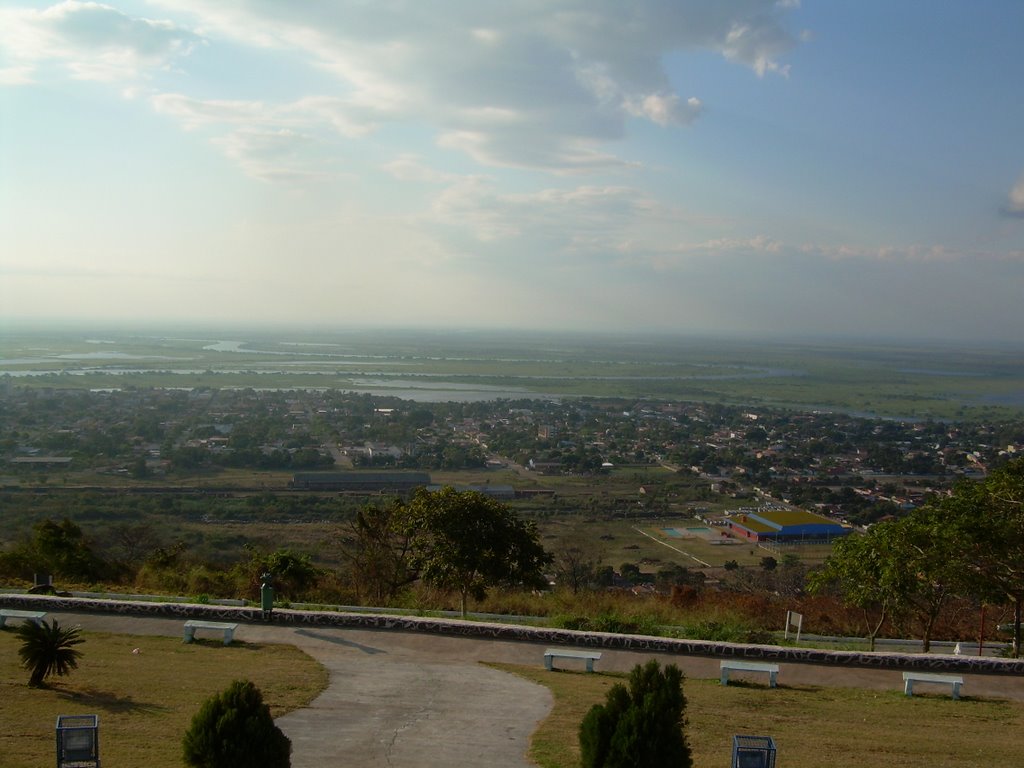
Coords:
812,727
145,701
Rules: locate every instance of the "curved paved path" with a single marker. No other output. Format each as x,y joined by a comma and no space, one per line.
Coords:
389,707
393,699
404,699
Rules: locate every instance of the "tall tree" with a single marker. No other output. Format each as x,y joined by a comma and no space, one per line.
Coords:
971,542
932,564
48,649
62,549
576,567
376,544
868,574
468,542
986,520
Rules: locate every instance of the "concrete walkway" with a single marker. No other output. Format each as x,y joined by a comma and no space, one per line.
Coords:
406,699
388,707
393,699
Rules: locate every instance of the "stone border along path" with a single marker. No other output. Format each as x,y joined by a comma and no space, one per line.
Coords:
496,631
409,692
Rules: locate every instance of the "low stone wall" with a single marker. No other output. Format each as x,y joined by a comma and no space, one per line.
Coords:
473,629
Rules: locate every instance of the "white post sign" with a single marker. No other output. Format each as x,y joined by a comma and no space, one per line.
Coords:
794,619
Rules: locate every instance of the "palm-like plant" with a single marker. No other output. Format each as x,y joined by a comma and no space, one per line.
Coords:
47,649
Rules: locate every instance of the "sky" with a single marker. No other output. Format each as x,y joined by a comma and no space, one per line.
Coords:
844,168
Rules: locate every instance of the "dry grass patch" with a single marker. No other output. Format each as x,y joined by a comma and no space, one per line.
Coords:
812,726
145,700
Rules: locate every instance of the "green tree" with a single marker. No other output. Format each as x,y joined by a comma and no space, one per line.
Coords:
868,574
638,727
132,542
969,543
630,572
986,522
376,544
676,575
139,470
932,564
48,649
294,574
62,549
234,729
791,560
468,542
575,567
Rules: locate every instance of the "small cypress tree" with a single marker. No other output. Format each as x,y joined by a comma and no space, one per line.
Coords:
638,727
234,729
599,724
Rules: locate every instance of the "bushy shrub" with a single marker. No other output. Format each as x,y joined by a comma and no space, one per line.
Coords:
638,727
152,577
608,622
234,729
203,579
570,622
729,630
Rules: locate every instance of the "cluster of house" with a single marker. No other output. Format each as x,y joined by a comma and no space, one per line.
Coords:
56,428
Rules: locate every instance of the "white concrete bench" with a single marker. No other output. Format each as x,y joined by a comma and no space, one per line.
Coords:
729,665
554,653
909,678
194,624
14,613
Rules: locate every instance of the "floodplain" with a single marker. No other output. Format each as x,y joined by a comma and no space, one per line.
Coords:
897,380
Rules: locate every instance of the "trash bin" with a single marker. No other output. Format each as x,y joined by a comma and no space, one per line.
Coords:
753,752
78,741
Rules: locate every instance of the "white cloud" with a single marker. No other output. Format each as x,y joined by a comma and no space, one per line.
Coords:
279,155
665,109
508,148
662,255
538,85
272,142
758,46
550,215
195,113
530,85
622,225
93,41
1015,200
16,75
335,113
569,229
409,167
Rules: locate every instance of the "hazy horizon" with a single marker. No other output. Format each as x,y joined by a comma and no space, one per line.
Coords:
249,331
751,169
